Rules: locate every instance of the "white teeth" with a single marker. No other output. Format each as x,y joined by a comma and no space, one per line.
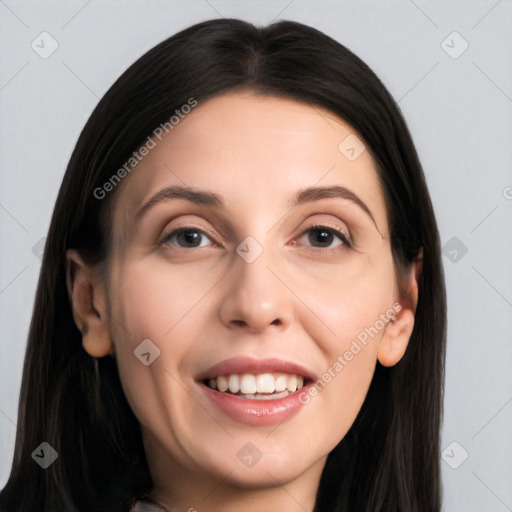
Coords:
248,384
234,383
265,383
281,381
260,386
292,383
222,383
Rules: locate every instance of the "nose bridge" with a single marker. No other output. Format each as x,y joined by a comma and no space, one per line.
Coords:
255,298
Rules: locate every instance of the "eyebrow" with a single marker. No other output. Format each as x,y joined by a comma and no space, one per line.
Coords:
311,194
213,200
200,197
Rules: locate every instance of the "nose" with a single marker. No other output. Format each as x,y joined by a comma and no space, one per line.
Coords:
256,297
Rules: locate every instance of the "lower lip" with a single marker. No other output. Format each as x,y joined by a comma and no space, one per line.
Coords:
257,412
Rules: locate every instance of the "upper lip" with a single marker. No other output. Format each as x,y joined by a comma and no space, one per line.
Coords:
239,365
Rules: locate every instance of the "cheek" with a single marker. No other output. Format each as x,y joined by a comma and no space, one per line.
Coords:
151,300
161,303
336,397
351,313
143,309
348,302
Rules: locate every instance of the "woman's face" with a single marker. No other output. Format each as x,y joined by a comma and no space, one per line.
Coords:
251,247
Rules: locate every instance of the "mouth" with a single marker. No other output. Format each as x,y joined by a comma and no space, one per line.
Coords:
261,386
256,391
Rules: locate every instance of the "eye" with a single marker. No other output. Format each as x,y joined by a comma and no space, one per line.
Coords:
186,238
323,237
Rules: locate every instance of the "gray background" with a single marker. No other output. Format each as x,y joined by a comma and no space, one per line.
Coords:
458,110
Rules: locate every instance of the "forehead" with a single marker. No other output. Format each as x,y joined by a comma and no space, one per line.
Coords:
256,151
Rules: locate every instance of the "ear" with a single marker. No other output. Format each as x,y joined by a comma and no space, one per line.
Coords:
398,331
88,302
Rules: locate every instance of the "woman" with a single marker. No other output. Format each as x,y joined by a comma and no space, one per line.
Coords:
241,302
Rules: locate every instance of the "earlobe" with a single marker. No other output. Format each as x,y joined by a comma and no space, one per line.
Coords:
87,296
398,332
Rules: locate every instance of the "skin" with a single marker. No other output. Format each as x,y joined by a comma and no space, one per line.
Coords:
296,301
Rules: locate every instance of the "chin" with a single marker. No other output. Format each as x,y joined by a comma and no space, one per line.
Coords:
271,470
260,476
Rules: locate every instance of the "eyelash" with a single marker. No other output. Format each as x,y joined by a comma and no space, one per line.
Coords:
345,238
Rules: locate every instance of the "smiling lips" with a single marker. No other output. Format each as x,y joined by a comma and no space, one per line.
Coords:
256,391
262,386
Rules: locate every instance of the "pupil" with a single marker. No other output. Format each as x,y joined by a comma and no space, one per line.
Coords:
188,237
321,236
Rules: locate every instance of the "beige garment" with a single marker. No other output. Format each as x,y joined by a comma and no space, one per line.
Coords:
141,506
